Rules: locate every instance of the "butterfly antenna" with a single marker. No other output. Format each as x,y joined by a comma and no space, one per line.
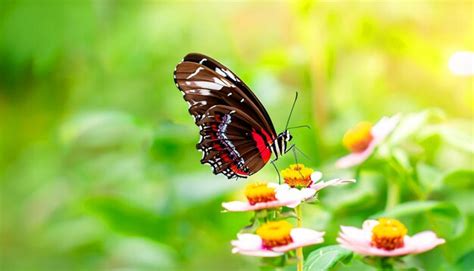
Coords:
291,111
299,126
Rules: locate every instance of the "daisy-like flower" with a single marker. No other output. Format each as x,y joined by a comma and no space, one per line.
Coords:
386,238
267,196
274,238
301,177
364,138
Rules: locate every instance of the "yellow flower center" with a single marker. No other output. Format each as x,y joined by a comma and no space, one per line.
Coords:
388,234
357,139
297,175
275,233
259,192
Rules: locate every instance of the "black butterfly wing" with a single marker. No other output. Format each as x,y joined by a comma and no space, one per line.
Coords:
202,78
232,142
216,96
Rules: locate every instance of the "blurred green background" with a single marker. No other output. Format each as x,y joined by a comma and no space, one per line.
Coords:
98,164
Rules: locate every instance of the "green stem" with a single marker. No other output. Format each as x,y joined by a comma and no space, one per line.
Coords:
386,264
393,193
299,251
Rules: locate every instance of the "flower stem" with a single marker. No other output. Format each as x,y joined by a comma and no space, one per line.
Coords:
299,251
393,193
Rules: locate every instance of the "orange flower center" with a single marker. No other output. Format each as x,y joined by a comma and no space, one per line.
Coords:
275,233
259,192
388,234
357,139
297,175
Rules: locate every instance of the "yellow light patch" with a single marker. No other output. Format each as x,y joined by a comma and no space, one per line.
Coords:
297,175
388,234
357,139
275,233
259,192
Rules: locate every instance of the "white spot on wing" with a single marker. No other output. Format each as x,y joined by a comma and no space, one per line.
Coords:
231,75
194,73
205,84
202,60
224,83
219,71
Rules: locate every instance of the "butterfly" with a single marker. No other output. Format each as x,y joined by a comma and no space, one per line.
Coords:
237,134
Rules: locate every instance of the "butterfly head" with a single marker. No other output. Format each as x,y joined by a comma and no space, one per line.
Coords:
286,136
280,146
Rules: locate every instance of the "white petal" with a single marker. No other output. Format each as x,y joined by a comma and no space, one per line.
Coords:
251,244
258,253
384,127
241,206
301,237
236,206
247,241
273,185
334,182
359,241
292,197
307,193
316,176
355,235
369,224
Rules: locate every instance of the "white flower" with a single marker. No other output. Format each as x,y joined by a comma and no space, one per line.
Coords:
386,238
274,239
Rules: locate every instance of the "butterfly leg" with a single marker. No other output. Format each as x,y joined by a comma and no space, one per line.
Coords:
293,148
304,154
273,163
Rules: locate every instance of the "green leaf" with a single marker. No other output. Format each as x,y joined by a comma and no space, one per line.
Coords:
327,257
459,179
413,123
428,176
99,130
445,217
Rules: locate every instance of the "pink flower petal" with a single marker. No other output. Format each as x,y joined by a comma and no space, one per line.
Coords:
285,195
334,182
292,197
379,132
247,241
258,253
251,245
355,236
356,248
236,206
307,193
369,225
384,127
425,241
301,237
242,206
356,158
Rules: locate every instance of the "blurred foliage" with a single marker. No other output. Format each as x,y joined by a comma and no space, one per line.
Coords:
99,169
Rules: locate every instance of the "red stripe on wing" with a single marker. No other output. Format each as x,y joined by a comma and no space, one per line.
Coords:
262,145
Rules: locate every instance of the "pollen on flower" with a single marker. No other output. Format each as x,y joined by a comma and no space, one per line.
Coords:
357,139
297,175
388,234
275,233
259,192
